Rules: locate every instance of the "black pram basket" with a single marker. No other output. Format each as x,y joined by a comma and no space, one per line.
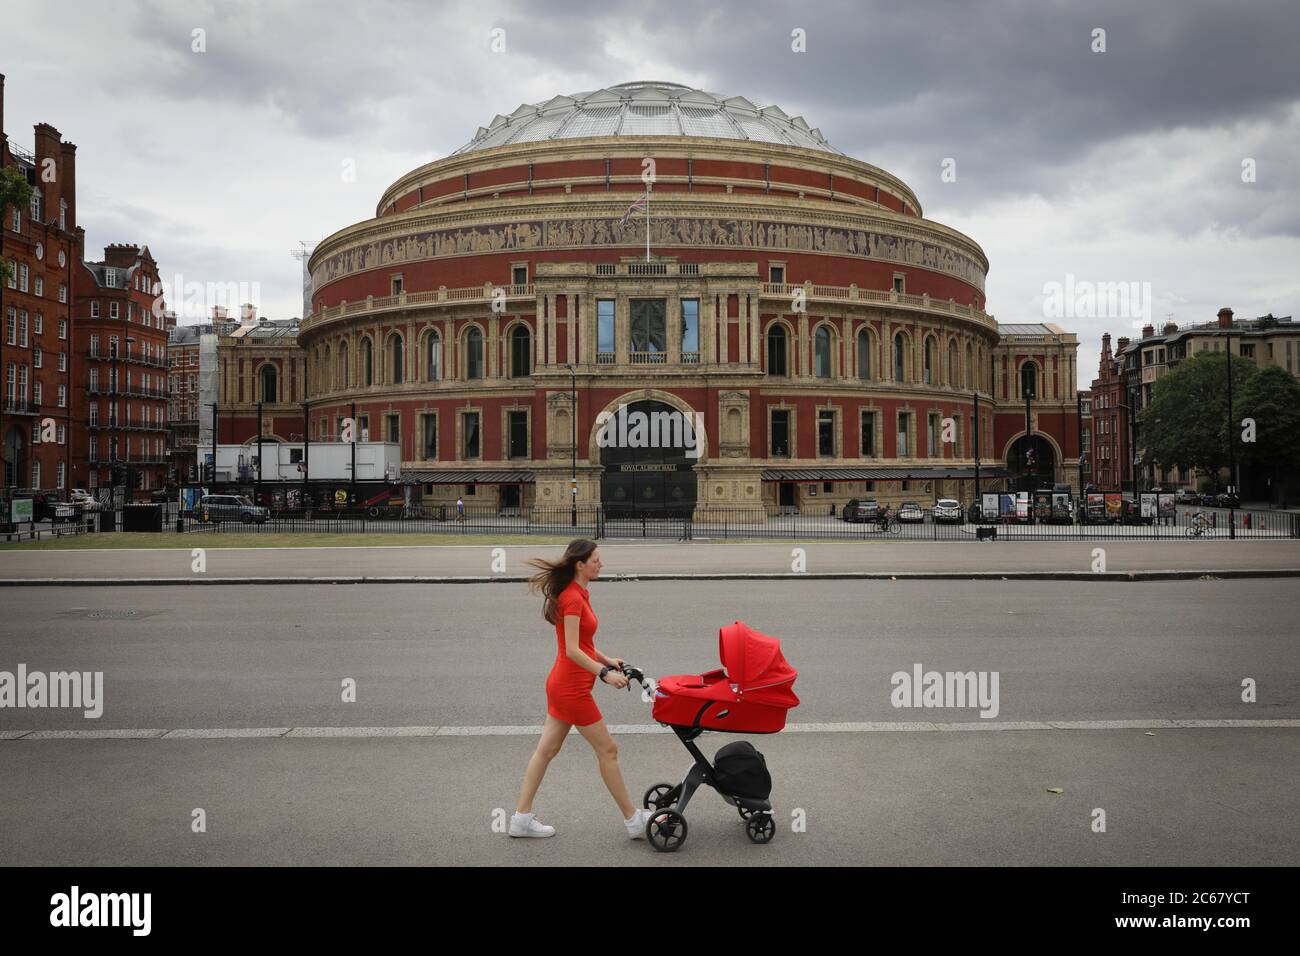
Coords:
740,771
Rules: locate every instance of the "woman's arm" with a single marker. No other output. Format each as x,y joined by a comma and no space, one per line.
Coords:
575,653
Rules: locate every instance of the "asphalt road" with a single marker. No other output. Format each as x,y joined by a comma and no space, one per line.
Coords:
478,558
471,661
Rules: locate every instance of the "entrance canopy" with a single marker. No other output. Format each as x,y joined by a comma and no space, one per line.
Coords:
468,478
879,474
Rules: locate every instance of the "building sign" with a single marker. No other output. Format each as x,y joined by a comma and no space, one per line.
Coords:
990,505
20,511
1148,505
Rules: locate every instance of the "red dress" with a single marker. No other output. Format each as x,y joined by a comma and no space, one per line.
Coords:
568,688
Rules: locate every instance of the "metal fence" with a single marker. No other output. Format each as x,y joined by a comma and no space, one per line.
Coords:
712,523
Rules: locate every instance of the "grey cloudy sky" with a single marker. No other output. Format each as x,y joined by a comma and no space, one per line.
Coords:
1122,166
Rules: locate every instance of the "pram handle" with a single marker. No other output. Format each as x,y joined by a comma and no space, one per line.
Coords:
634,674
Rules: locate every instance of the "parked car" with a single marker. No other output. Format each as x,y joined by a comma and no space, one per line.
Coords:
947,511
83,499
1226,500
229,508
911,512
857,510
1188,496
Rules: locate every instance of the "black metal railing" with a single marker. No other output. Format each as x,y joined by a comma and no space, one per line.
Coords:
738,523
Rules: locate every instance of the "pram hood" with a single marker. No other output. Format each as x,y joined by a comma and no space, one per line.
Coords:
754,663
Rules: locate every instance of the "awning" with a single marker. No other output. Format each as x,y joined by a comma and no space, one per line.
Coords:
468,478
880,474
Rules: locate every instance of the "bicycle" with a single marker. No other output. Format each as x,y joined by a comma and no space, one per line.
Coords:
1199,526
887,521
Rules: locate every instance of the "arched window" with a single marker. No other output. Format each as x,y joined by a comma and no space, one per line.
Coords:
367,363
268,384
520,352
864,354
1029,380
396,355
954,378
432,356
776,351
900,357
474,353
970,366
929,360
822,352
343,365
326,372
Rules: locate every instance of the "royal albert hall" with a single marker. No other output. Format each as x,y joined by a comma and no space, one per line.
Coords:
830,337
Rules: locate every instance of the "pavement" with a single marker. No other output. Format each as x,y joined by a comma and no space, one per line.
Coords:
1126,699
481,559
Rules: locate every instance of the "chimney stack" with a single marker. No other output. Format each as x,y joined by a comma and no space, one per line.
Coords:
1225,318
1148,331
48,153
121,255
68,170
1122,344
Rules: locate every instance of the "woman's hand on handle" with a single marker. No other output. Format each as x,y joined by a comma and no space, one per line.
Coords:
615,679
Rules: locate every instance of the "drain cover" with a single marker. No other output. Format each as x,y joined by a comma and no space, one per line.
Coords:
111,615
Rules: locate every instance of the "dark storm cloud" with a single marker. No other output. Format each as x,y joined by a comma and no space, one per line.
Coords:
1138,148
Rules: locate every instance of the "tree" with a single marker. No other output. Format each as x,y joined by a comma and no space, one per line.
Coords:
1272,400
14,191
1186,424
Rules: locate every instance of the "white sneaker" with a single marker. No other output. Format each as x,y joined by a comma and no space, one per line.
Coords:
527,825
636,825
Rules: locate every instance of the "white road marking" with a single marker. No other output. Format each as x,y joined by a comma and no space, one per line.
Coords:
866,727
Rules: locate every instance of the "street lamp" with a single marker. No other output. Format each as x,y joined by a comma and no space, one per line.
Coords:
1232,448
573,447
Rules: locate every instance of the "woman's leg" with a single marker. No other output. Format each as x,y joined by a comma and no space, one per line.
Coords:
553,734
597,735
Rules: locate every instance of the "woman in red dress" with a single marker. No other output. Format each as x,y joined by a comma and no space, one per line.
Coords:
569,703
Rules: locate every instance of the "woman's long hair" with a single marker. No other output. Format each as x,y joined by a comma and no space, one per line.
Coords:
554,576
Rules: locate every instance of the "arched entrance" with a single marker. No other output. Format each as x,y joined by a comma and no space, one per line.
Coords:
1032,472
15,456
647,471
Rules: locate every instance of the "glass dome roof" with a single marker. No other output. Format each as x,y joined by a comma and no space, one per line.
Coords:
648,108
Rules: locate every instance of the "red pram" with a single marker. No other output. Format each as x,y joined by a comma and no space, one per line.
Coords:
749,694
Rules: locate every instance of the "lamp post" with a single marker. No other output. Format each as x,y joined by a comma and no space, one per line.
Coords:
1232,448
257,486
1027,387
573,447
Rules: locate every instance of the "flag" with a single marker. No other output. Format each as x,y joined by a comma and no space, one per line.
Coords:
639,204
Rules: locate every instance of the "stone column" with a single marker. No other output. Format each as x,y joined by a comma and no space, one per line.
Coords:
571,342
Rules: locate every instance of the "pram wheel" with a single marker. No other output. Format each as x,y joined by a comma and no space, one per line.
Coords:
656,798
759,826
666,830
